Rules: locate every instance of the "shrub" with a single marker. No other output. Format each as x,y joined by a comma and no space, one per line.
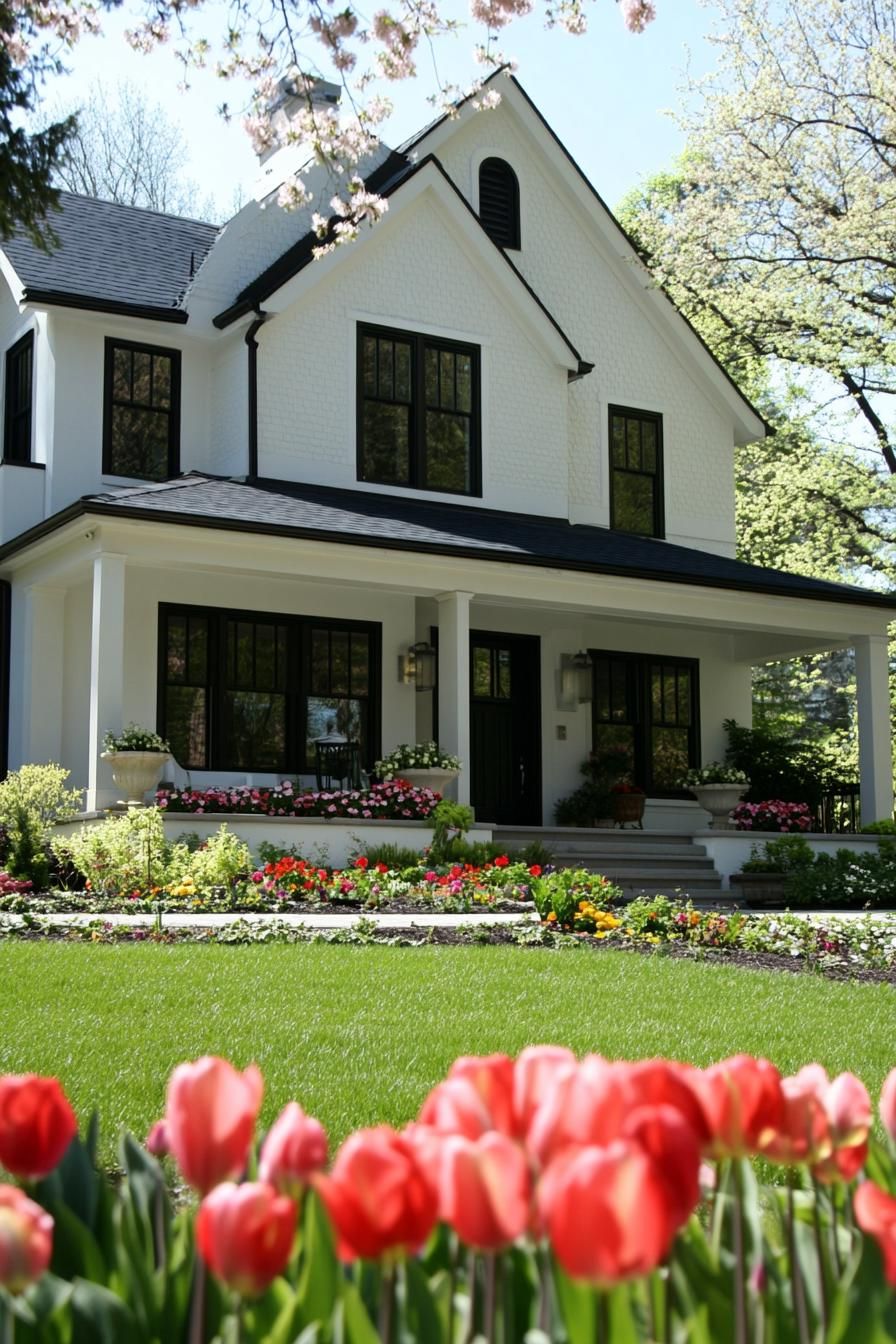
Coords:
32,800
789,854
778,765
134,738
393,856
880,828
450,822
125,854
223,860
535,853
846,879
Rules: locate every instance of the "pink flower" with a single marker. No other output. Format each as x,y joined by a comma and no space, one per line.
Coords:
636,14
26,1239
295,1147
245,1235
156,1141
210,1119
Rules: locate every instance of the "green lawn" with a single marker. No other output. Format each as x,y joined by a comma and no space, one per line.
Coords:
359,1034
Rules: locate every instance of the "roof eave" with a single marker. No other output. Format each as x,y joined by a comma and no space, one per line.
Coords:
53,298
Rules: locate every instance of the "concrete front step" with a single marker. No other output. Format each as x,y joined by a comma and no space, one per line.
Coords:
584,858
554,836
653,862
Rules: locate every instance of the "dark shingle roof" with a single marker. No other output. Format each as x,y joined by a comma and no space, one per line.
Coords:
365,518
118,256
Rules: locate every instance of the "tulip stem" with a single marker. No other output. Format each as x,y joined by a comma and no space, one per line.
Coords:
740,1284
490,1299
9,1323
819,1250
601,1318
387,1303
835,1236
197,1304
799,1295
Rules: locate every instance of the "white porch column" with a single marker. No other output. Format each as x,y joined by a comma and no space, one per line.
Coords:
875,740
106,671
454,682
43,669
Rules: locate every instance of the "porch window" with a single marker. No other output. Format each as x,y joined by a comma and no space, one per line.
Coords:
251,691
418,411
17,400
645,717
636,472
141,426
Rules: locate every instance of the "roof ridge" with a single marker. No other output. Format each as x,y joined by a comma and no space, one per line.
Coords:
142,209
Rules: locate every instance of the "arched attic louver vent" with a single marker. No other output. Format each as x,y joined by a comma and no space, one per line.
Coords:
499,202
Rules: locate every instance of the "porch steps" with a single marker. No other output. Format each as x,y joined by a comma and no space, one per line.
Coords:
665,863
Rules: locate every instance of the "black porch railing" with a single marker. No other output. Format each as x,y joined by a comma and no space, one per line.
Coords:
840,810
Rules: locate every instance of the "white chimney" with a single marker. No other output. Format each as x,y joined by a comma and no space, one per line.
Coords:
286,156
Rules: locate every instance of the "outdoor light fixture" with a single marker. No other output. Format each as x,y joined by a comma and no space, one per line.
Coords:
574,680
418,665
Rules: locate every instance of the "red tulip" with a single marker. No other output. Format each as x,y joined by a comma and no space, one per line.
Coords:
245,1235
210,1119
484,1190
37,1124
605,1212
875,1212
888,1104
455,1107
26,1239
667,1138
585,1106
743,1104
803,1134
295,1147
847,1106
378,1196
492,1078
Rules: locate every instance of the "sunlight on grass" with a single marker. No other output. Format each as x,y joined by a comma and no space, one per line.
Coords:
359,1034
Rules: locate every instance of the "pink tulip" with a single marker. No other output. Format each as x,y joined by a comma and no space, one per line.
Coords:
455,1107
295,1147
245,1235
803,1134
847,1106
743,1104
378,1196
210,1119
536,1071
484,1190
26,1239
491,1077
888,1104
156,1141
37,1124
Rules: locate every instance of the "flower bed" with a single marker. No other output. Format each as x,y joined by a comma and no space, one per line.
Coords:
394,800
771,816
609,1201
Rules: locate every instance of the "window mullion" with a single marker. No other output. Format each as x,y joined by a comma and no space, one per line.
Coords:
418,415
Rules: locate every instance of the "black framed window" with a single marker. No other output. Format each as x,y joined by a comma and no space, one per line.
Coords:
499,202
141,420
17,400
252,690
636,472
418,411
645,717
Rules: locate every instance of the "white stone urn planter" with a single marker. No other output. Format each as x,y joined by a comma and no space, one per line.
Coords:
428,777
719,800
136,772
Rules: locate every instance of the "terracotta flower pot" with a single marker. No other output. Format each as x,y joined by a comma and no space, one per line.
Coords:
628,809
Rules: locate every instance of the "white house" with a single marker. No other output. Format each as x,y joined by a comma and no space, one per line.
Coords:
238,485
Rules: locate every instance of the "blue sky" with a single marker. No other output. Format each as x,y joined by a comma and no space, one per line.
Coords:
604,94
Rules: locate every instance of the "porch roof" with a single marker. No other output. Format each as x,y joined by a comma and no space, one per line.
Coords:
369,518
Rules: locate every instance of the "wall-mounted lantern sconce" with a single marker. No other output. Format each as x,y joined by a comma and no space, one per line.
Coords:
418,667
574,680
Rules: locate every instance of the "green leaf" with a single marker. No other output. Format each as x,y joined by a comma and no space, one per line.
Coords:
320,1279
99,1317
578,1308
356,1324
423,1319
75,1250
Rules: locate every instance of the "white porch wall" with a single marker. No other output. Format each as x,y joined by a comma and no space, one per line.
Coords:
634,364
75,450
413,272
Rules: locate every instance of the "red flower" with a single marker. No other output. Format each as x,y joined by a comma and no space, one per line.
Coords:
743,1102
361,862
26,1240
37,1124
484,1190
245,1235
501,861
378,1196
295,1147
875,1212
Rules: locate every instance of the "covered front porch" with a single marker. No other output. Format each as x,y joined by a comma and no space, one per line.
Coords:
242,648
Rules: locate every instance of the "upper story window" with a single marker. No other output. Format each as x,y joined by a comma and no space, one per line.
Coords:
141,426
499,202
636,472
418,411
17,400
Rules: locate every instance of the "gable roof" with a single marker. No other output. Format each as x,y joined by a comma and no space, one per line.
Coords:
113,258
365,518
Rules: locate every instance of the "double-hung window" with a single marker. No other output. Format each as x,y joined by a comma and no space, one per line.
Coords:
141,426
17,400
636,472
253,690
418,411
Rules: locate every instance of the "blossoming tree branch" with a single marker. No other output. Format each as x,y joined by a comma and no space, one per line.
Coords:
262,46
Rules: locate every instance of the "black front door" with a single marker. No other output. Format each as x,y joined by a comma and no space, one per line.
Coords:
505,728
